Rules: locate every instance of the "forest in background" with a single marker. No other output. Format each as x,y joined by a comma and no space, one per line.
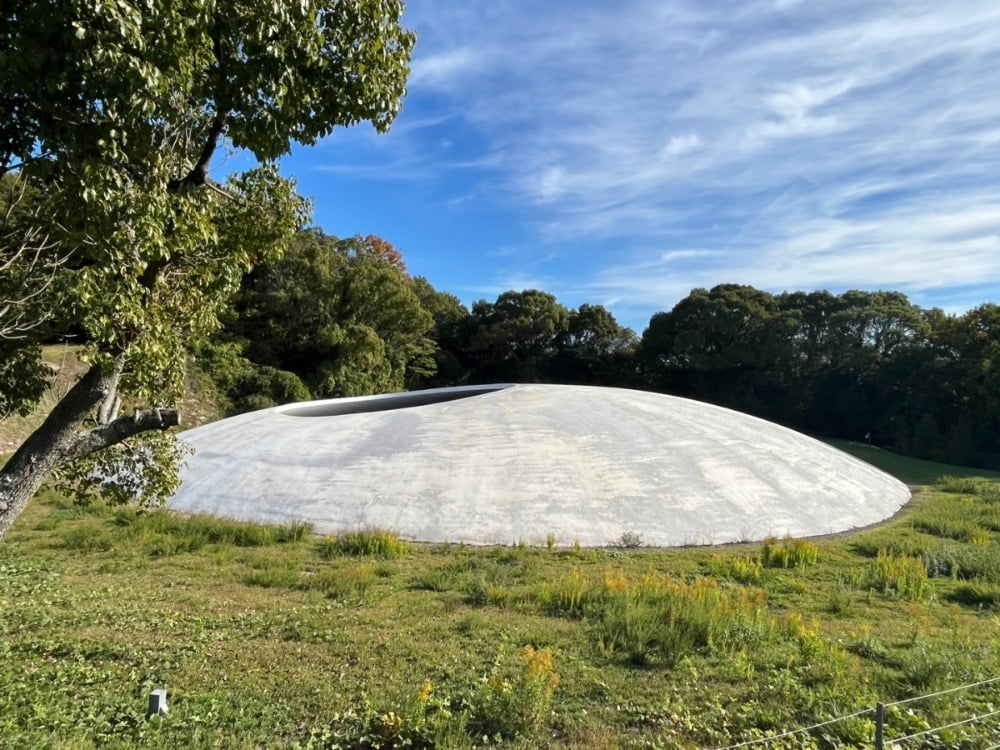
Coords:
343,317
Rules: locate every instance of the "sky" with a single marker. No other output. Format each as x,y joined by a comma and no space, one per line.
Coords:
623,153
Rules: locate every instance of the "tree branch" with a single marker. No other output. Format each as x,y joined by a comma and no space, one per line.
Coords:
199,172
142,420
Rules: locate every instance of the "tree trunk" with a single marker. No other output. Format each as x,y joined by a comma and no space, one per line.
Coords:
60,439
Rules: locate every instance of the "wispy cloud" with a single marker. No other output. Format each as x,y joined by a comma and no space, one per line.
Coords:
440,69
681,144
656,145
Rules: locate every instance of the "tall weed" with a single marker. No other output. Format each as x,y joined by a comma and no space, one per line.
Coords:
964,485
788,553
741,568
953,518
517,705
654,619
371,542
896,576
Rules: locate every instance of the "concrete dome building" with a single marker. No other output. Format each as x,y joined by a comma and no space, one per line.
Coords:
503,463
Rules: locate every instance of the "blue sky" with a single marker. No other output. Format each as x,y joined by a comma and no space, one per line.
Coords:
625,152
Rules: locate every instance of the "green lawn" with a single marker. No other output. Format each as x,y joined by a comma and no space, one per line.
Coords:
276,638
911,470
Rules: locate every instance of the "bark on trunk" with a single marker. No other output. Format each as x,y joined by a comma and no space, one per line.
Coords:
61,438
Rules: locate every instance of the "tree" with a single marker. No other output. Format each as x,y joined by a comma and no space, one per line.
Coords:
953,378
516,337
29,266
449,334
730,344
115,111
594,349
341,315
29,262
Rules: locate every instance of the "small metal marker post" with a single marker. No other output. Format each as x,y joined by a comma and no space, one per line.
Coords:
157,703
879,726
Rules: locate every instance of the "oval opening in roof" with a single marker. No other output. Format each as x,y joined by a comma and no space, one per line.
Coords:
388,402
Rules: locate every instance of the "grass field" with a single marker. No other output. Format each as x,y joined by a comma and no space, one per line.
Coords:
271,637
913,471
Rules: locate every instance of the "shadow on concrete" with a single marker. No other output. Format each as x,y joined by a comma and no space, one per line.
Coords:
388,402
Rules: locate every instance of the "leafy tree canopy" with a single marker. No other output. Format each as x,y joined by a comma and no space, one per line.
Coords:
113,111
342,315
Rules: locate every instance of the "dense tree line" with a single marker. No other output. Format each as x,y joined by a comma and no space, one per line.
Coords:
333,317
341,317
851,365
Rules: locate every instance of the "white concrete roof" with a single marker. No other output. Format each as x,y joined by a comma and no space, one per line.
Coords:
498,464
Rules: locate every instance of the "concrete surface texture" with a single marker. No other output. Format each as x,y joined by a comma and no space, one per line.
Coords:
499,464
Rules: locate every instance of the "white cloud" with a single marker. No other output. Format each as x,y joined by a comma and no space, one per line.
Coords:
953,246
678,145
672,256
783,144
442,70
551,183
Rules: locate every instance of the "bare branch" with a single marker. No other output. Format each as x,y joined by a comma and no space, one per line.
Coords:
12,168
29,263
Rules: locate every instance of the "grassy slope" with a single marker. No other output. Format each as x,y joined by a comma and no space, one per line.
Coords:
913,471
66,368
266,644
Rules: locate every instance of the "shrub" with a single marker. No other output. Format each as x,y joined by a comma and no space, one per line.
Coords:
630,540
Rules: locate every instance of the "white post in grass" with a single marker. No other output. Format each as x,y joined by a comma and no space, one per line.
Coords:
157,703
